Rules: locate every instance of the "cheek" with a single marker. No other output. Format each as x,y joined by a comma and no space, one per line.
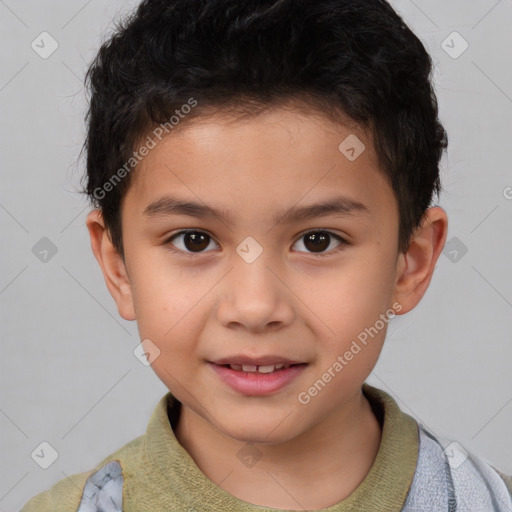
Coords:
170,309
352,296
161,294
351,308
167,317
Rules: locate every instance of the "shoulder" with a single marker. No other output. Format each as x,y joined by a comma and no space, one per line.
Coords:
97,490
448,477
506,478
64,496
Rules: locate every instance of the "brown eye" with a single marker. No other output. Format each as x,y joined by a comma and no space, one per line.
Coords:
191,241
319,241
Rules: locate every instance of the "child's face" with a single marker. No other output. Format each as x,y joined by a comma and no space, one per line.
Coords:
214,299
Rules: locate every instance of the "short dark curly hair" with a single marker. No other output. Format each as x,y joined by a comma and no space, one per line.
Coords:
341,57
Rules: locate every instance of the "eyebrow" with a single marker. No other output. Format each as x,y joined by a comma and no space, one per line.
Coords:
340,206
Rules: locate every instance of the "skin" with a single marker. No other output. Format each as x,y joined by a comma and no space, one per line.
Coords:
288,302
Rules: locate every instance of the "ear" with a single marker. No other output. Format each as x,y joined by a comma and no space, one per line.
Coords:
416,267
112,265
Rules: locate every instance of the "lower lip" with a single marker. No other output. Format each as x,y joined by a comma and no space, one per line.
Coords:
255,383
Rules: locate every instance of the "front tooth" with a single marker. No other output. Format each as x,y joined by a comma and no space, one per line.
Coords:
235,367
279,366
249,367
266,369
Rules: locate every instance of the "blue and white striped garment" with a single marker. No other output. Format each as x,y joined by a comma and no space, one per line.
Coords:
449,479
103,490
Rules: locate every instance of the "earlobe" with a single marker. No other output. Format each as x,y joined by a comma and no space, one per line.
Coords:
416,266
112,265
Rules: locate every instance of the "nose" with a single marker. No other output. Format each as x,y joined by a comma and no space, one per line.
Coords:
254,297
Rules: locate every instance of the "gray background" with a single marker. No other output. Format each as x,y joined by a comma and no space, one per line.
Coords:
68,373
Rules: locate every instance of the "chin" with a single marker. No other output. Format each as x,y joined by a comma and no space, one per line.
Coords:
261,432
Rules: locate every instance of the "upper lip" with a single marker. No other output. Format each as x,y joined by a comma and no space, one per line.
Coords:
266,360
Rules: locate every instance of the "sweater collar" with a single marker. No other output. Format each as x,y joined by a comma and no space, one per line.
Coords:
384,488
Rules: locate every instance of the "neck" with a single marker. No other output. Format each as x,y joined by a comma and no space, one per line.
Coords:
336,454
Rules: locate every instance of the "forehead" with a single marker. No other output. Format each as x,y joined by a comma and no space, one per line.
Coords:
279,157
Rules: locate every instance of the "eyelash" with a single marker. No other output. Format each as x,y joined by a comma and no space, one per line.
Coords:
340,247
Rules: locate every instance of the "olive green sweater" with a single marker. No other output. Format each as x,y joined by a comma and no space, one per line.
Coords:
159,475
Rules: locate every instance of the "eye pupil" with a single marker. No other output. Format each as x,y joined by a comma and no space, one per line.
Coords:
319,241
196,240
